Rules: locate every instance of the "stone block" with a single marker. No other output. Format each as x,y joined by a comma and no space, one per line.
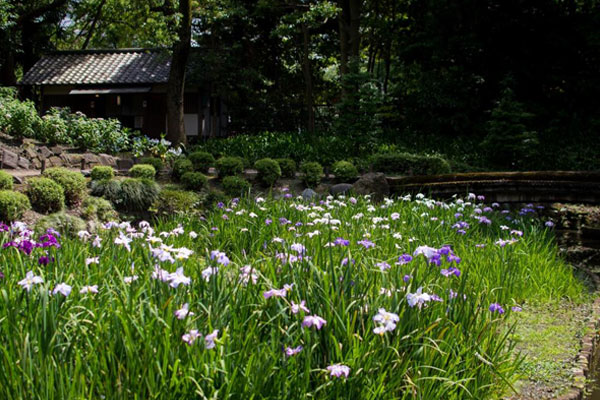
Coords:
24,163
124,163
45,152
10,159
54,162
108,160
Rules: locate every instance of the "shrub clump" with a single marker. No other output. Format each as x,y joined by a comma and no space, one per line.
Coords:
195,181
156,162
287,166
235,186
410,164
98,209
101,172
268,171
202,161
145,171
171,201
6,181
130,194
45,195
312,173
73,183
65,224
180,167
344,171
230,166
12,205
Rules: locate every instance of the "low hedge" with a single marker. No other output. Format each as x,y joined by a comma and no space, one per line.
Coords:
230,166
312,173
101,172
145,171
202,161
287,166
72,182
6,181
344,171
171,202
235,186
12,205
268,171
410,164
45,195
195,181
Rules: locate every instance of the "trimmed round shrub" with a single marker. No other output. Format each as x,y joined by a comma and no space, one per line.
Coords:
180,167
6,181
287,166
268,171
98,209
156,162
45,195
312,172
195,181
101,172
344,171
202,161
410,164
109,189
235,186
145,171
66,224
230,166
171,202
12,205
72,182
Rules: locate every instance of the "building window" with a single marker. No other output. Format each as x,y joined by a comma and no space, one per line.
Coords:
138,122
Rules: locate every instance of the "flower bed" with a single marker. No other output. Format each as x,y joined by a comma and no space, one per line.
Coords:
411,298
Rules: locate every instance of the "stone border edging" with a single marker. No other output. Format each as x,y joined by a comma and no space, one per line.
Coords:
589,345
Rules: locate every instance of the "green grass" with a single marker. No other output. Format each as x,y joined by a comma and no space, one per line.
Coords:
125,342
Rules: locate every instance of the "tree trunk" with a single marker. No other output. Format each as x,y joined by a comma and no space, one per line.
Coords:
176,84
308,84
343,27
7,70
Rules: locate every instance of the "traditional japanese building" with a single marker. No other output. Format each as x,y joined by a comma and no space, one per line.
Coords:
129,85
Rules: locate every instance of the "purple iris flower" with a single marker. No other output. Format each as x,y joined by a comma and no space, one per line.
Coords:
404,259
450,271
366,243
495,307
341,242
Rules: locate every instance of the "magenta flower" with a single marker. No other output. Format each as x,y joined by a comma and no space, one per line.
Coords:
339,370
313,320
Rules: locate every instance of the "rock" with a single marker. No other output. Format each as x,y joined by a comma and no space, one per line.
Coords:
30,153
124,163
72,160
45,152
24,163
107,160
91,159
54,162
10,159
17,180
340,188
58,150
309,194
36,163
373,183
86,172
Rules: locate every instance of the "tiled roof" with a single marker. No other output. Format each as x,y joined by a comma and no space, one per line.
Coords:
100,67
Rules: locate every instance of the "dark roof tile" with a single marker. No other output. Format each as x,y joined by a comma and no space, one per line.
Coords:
100,67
